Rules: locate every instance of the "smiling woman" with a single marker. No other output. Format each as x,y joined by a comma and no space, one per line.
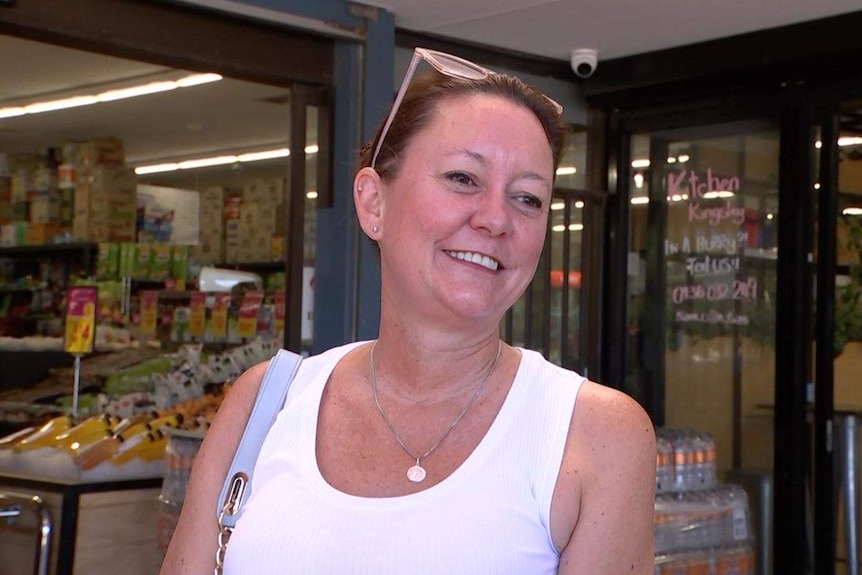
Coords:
438,440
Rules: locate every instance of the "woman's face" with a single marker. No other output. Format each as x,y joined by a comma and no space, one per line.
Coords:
463,223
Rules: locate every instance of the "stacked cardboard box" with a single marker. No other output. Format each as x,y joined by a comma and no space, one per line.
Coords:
210,249
262,220
105,204
242,225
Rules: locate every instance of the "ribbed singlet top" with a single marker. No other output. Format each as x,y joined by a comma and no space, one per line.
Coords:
490,516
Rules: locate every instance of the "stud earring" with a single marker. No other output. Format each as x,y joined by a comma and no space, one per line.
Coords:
374,229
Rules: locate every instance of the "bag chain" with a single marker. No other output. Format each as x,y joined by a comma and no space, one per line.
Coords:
223,538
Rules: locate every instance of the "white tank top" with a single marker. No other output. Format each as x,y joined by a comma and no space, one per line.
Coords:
490,516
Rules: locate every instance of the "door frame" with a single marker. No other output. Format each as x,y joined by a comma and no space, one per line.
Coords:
791,458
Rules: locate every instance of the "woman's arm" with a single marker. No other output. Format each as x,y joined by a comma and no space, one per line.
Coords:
193,546
611,455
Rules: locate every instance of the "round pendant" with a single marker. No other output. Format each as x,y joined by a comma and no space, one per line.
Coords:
416,474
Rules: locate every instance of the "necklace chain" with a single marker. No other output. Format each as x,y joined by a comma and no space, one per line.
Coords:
454,422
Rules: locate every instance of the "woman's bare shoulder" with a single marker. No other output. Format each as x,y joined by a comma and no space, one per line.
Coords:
615,418
609,466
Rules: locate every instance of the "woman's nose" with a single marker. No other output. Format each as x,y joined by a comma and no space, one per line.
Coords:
492,213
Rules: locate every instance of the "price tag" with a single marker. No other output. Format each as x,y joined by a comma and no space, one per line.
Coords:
220,305
149,312
279,313
81,318
248,310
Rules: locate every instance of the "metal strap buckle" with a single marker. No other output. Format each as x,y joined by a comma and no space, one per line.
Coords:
232,503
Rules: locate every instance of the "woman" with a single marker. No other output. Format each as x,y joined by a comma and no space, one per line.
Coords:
438,448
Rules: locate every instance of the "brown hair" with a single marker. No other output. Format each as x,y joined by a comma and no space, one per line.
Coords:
426,91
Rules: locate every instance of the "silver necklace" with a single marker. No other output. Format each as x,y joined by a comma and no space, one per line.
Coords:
416,473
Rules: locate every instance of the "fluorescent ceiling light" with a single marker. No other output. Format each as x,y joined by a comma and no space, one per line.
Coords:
640,164
558,205
107,96
849,141
566,170
206,162
265,155
197,80
683,158
12,112
312,149
312,195
572,227
579,204
63,104
852,211
155,168
640,200
212,161
639,180
151,88
719,194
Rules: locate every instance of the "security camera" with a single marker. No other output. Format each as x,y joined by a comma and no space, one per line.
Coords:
584,62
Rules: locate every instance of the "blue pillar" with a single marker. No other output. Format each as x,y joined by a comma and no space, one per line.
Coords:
347,282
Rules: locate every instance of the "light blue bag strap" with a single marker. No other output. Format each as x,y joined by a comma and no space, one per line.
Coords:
270,399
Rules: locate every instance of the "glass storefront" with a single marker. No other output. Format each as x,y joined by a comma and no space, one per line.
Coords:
710,304
165,159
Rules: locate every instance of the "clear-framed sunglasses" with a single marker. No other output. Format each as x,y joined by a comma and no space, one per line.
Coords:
446,64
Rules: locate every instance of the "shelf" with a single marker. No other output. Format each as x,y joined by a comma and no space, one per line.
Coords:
49,250
252,266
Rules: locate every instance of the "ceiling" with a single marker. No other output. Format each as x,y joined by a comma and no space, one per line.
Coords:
615,28
181,123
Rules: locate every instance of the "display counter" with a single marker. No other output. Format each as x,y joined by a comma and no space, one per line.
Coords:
97,526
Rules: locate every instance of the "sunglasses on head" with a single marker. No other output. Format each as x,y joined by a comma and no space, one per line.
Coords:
446,64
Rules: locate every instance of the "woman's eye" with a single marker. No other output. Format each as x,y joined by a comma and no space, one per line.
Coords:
460,178
530,200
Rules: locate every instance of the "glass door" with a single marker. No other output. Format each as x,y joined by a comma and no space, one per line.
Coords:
706,311
701,269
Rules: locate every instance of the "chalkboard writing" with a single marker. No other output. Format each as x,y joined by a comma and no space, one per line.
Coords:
712,317
739,290
716,243
710,250
690,183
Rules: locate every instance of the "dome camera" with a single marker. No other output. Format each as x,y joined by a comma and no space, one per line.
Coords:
584,62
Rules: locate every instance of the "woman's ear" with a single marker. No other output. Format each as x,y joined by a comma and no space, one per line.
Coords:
368,198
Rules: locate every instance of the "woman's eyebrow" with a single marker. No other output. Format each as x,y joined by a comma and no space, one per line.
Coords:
483,161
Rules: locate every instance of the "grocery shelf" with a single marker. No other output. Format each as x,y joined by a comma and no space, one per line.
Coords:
36,251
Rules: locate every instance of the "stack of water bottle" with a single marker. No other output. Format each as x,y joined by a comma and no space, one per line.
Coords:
701,527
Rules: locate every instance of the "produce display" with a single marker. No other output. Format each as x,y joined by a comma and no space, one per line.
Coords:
126,431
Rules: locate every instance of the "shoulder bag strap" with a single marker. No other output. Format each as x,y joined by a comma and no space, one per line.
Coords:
270,399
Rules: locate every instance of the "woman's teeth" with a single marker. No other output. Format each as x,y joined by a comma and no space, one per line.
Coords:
484,261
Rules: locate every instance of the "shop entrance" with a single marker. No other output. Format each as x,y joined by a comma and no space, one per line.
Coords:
700,195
